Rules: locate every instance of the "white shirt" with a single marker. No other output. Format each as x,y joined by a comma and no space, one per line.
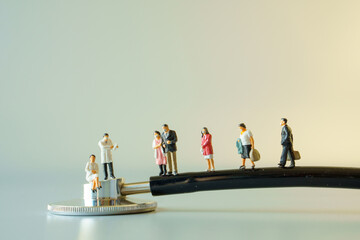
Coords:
245,137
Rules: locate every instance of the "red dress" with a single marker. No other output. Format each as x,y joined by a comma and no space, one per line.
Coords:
206,144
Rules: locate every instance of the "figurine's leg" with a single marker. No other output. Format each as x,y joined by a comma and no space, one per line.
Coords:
99,183
161,170
164,166
175,162
284,155
111,170
169,159
212,163
209,166
105,171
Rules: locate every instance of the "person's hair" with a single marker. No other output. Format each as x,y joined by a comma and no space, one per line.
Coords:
165,125
106,134
157,132
92,155
285,120
206,131
242,125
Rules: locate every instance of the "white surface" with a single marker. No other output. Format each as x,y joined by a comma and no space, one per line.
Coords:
293,213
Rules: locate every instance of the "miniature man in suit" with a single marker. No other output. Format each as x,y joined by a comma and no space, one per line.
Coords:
169,139
287,144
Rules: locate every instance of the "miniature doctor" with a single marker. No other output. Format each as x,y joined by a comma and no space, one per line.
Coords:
92,173
247,143
169,143
159,153
106,146
207,149
287,144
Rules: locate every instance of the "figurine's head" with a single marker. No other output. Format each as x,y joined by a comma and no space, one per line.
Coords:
92,158
156,134
283,121
106,136
242,126
165,127
204,131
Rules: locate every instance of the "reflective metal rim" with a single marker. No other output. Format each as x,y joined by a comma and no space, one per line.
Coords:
78,207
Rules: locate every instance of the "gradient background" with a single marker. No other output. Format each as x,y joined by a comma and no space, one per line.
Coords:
72,70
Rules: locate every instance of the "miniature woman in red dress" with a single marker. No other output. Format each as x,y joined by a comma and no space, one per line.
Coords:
207,149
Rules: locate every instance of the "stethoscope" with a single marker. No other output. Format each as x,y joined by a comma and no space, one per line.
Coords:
113,197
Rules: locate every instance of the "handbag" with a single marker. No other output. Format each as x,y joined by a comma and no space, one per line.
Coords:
296,155
254,155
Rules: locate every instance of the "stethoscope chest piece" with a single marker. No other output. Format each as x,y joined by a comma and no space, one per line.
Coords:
105,201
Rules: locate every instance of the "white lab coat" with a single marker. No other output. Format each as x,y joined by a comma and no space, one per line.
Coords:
106,155
90,176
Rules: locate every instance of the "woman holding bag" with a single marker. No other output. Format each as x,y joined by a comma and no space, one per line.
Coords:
247,143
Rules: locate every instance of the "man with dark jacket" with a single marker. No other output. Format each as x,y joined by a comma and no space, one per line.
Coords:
287,144
169,143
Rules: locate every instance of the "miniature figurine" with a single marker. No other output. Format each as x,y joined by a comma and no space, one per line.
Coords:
169,143
247,143
159,153
92,173
106,146
287,144
207,149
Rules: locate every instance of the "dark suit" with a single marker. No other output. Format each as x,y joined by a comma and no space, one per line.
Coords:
287,143
170,136
170,148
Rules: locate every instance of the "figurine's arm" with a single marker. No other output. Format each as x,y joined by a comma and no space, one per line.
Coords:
252,142
207,141
87,169
174,138
96,170
157,146
286,135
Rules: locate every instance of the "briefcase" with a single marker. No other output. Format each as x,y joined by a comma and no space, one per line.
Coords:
254,155
296,154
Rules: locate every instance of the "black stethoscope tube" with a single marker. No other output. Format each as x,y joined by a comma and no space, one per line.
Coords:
331,177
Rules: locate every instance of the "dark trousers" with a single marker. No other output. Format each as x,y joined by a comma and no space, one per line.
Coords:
110,168
287,149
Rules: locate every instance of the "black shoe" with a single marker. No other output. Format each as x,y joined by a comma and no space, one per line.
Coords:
106,178
292,166
169,174
100,187
281,166
112,176
253,167
242,167
93,190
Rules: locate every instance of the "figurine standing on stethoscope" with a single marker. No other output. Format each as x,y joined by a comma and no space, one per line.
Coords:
106,146
207,149
247,143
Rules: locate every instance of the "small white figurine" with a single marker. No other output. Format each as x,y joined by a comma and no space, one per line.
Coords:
106,146
92,173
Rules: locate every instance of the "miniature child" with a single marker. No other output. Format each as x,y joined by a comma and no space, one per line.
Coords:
92,173
247,143
159,153
207,149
